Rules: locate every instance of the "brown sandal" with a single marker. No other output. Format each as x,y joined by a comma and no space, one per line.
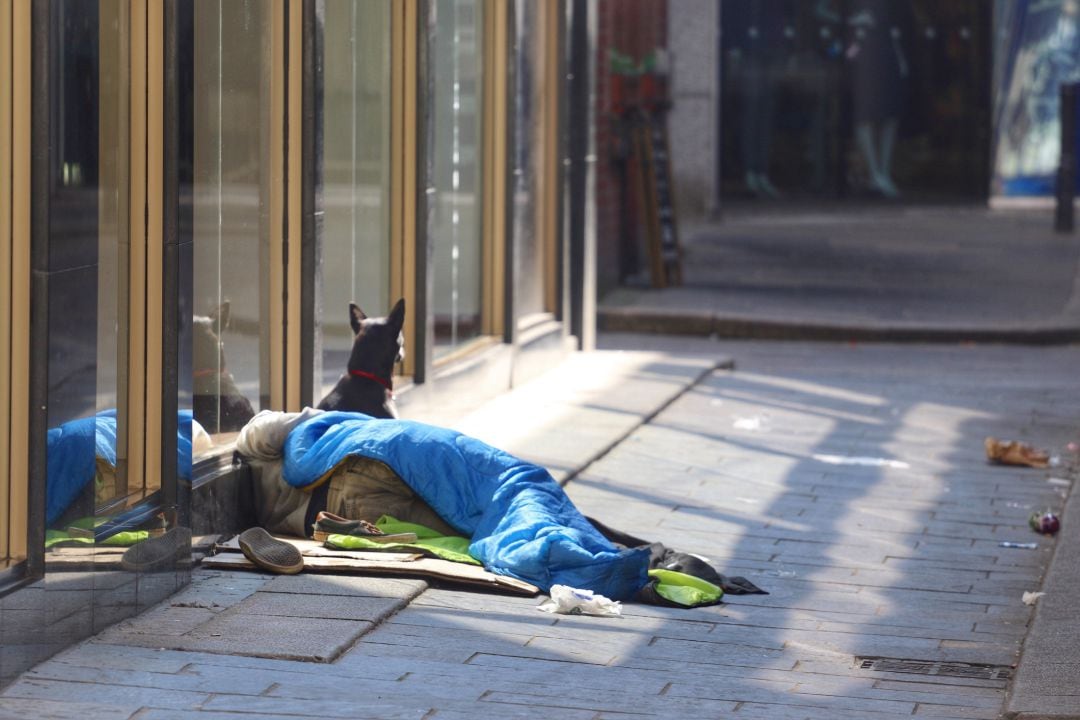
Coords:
327,524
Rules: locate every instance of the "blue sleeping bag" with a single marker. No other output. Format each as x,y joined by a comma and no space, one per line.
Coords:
520,520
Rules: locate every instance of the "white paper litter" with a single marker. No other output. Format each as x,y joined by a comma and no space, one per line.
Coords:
566,600
867,461
1060,482
1030,598
750,423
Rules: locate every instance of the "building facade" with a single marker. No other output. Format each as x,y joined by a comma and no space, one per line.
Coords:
192,193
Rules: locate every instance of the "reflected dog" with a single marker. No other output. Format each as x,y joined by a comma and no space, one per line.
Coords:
217,403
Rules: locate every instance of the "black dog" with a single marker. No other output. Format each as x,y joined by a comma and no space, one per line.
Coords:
217,404
366,385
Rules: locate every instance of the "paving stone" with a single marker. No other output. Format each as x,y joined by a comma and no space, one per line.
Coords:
952,711
512,672
845,668
770,711
454,619
950,694
156,714
405,647
96,654
336,607
555,703
161,621
344,585
188,679
13,708
93,655
400,708
758,693
293,638
115,695
497,711
989,703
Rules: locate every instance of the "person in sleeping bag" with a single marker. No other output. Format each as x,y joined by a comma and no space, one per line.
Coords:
519,519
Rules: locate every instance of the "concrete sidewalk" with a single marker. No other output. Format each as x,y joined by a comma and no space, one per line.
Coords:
872,274
847,480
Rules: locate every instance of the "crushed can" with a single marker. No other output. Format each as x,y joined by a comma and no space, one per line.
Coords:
1044,523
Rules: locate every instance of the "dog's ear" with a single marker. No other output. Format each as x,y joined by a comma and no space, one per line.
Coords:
356,316
396,318
219,318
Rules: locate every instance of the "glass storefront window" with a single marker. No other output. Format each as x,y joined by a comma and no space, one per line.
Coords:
356,173
531,181
455,56
781,96
865,99
231,214
88,269
1038,49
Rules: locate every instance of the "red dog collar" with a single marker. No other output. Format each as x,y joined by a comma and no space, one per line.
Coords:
385,382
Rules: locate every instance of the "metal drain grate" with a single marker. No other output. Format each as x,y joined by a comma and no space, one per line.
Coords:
933,667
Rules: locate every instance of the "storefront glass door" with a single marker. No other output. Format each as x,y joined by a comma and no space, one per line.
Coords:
855,99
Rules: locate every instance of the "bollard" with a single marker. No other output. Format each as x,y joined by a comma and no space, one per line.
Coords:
1066,176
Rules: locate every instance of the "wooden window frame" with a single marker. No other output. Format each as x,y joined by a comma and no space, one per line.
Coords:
15,119
495,299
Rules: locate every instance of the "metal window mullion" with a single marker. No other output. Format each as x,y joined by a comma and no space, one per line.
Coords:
30,252
497,219
409,205
275,241
309,186
160,462
293,221
552,104
137,252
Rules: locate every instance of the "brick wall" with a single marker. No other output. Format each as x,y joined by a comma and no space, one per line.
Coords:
634,28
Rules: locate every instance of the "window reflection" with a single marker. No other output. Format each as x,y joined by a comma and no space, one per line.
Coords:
356,181
456,107
869,99
231,180
1038,50
530,181
881,69
93,512
88,267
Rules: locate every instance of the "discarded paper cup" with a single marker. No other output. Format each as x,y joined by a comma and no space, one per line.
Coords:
1045,523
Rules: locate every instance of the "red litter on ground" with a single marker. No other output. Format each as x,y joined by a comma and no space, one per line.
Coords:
1045,523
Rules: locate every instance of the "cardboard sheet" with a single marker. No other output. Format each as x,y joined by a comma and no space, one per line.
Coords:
320,559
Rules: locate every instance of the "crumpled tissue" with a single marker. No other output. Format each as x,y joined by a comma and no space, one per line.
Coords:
566,600
1030,598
